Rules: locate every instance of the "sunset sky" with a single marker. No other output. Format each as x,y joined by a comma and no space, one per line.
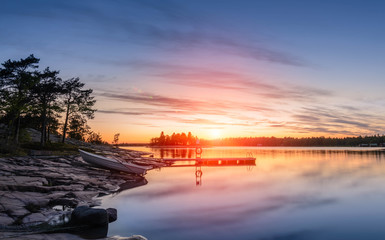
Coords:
217,68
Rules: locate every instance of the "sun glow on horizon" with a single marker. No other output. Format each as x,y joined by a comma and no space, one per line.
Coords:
215,133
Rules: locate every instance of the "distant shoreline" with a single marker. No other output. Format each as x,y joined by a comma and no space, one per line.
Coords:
211,146
163,146
178,146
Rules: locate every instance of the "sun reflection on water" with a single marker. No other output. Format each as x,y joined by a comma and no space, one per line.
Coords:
311,193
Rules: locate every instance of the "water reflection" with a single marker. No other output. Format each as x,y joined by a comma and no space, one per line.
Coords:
294,193
199,163
262,151
174,152
132,184
184,160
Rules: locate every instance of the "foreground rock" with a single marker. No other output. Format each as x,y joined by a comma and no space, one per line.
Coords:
66,236
31,184
44,189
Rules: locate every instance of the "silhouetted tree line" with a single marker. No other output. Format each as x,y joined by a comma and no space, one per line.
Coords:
174,139
375,140
41,99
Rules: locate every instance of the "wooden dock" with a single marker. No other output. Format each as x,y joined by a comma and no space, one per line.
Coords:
217,164
210,162
207,159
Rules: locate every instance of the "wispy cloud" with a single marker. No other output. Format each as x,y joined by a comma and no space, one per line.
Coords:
212,78
174,104
335,120
121,112
307,117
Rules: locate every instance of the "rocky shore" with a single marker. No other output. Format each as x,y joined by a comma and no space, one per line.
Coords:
44,190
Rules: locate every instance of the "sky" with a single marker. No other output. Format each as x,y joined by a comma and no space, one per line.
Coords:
216,68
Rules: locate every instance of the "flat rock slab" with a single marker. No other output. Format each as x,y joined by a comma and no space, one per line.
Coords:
5,219
29,181
54,236
34,218
28,184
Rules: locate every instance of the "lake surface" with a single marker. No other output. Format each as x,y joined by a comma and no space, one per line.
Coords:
290,193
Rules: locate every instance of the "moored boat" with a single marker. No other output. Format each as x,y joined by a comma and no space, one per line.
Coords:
113,164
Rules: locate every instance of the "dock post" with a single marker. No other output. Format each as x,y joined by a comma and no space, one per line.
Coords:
198,176
198,170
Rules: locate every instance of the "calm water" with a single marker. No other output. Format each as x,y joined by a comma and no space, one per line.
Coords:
291,193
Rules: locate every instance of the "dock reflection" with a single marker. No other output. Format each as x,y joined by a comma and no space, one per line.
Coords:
199,163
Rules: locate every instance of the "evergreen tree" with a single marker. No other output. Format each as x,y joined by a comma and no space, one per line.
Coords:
116,138
16,79
78,129
46,93
95,138
78,102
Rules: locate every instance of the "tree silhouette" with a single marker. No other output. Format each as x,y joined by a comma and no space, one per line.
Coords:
78,102
17,78
45,93
174,139
116,138
37,97
78,128
95,138
190,139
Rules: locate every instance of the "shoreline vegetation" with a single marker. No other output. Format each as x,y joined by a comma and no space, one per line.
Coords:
182,140
40,99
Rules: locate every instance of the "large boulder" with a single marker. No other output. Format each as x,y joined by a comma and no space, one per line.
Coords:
86,216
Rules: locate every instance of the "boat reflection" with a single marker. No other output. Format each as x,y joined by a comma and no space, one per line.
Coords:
131,184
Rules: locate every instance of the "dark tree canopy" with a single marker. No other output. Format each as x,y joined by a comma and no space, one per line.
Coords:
17,79
78,102
46,94
174,139
33,98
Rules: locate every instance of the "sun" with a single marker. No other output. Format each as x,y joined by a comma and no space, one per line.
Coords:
215,133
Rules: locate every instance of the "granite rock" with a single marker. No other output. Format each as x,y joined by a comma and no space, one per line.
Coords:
112,214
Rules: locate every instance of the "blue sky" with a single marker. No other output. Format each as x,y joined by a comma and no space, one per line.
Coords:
215,68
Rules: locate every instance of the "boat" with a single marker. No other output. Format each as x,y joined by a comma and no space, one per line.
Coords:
113,164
